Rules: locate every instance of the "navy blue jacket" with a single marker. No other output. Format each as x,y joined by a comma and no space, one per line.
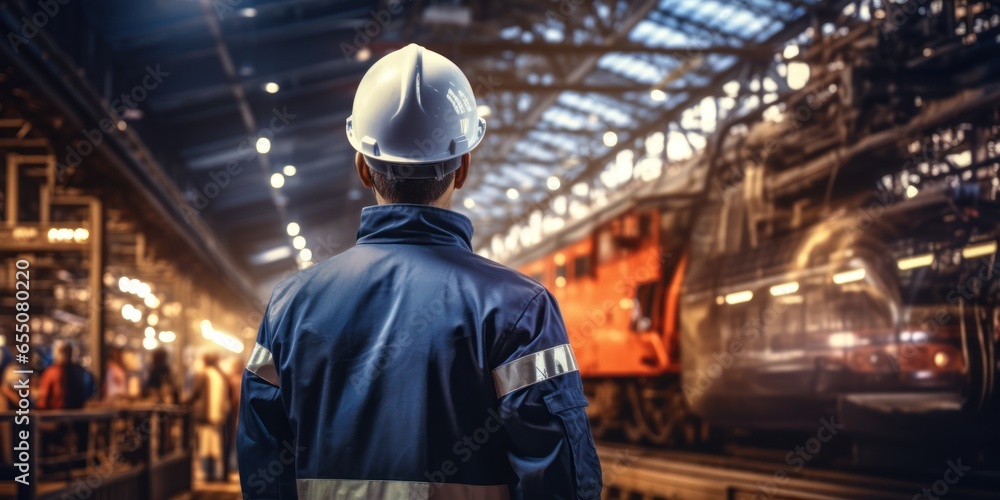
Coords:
410,367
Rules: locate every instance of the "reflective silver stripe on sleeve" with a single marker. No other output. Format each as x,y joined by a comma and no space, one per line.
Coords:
309,489
262,364
533,368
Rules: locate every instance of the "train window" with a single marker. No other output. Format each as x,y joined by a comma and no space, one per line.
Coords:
605,246
785,331
645,225
815,303
581,267
645,313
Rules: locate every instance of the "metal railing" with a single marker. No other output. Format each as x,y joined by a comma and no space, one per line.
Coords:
138,451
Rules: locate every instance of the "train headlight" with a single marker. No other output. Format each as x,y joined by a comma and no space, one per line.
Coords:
941,359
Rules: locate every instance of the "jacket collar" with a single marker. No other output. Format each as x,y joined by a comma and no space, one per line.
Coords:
401,223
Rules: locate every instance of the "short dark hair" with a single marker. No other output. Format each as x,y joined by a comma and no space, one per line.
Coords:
418,191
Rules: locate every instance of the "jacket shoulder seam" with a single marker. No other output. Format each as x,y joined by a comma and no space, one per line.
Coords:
509,330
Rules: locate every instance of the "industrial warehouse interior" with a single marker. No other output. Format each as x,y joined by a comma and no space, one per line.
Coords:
472,249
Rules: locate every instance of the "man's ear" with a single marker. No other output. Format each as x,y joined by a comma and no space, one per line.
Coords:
363,173
462,174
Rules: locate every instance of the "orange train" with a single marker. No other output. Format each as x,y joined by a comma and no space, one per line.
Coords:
618,289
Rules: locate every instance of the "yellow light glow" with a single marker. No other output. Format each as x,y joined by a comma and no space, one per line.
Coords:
798,75
610,139
849,276
560,259
560,282
167,336
941,359
625,303
979,250
150,331
915,262
223,339
912,191
512,193
152,319
263,145
470,203
289,170
292,228
277,181
299,242
149,343
842,340
657,95
305,254
272,88
553,183
785,288
739,297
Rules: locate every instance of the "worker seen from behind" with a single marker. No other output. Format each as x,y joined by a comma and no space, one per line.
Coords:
408,366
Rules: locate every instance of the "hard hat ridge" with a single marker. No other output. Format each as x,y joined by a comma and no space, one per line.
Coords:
414,112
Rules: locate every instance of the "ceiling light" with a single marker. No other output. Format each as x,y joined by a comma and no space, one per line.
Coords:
271,88
973,251
469,203
263,145
915,262
289,170
168,336
299,242
149,343
912,191
272,255
798,75
152,319
657,95
790,51
277,180
553,183
785,288
292,228
849,276
610,139
363,55
150,331
512,193
248,12
305,254
739,297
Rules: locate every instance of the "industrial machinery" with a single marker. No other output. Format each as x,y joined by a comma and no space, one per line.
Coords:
833,255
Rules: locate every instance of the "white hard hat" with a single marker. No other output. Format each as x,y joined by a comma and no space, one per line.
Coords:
414,115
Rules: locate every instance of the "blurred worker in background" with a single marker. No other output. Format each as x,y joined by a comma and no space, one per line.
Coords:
115,378
8,400
160,384
210,400
408,366
63,384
